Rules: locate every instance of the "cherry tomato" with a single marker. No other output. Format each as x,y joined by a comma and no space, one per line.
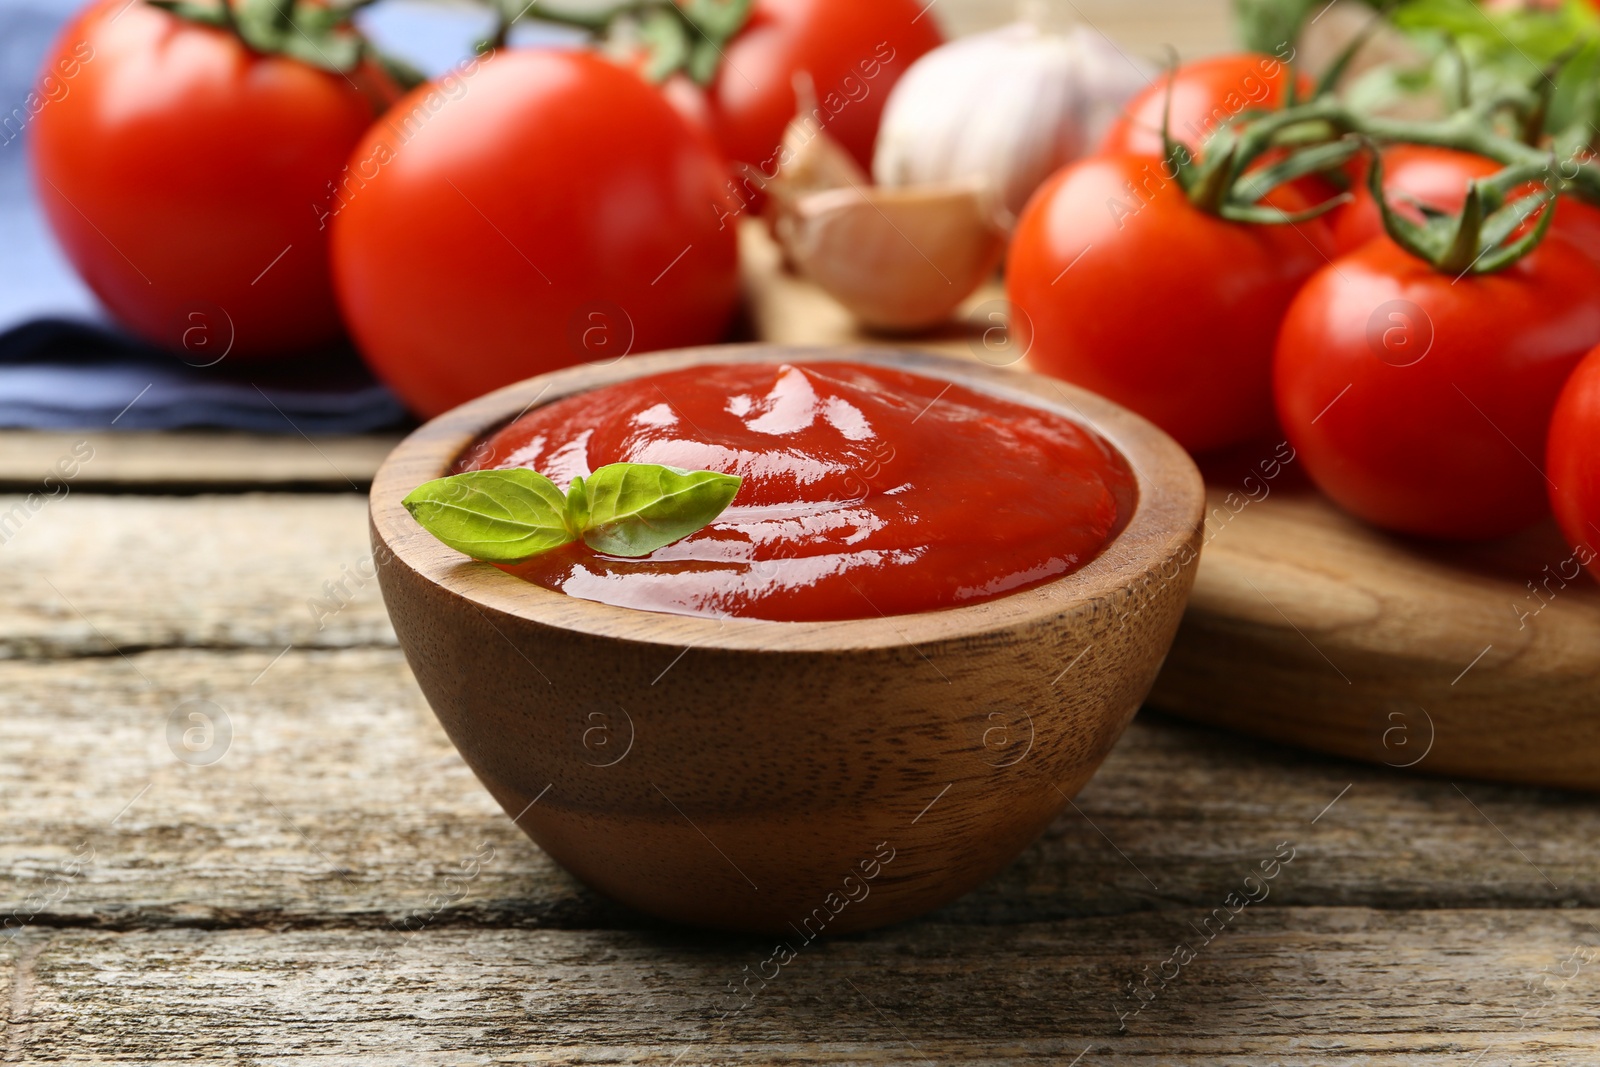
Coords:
1120,284
1573,462
1439,178
537,209
1206,95
853,50
1420,401
181,172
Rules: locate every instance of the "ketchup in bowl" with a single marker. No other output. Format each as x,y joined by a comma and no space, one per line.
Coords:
867,491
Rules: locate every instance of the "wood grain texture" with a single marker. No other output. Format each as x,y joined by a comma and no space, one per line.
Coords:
1309,627
1286,986
89,575
775,782
192,460
246,911
339,802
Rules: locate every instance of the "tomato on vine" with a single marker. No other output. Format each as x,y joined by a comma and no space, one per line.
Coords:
1122,285
181,168
1420,400
1438,178
1205,96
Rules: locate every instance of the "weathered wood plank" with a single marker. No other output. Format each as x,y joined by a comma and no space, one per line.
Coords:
1283,986
88,575
189,460
339,801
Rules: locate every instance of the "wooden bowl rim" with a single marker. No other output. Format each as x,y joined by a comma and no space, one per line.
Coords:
1169,511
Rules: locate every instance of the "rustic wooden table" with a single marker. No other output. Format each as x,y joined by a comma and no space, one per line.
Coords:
231,831
309,870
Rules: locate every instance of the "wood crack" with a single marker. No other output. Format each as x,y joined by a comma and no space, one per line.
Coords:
18,1023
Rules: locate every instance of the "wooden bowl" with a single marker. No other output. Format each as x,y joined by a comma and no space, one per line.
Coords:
794,778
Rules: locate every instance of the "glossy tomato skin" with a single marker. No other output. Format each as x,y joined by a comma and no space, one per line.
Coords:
1206,94
1573,462
182,175
538,209
854,52
1420,402
1136,294
1579,222
1439,178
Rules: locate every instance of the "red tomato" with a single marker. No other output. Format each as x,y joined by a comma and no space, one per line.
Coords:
1421,402
537,209
1439,178
854,51
181,173
1573,462
1436,176
1154,303
1206,95
1579,222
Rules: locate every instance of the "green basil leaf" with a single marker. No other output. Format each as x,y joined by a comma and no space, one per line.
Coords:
636,508
501,516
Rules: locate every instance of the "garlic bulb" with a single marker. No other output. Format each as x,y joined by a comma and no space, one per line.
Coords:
1007,108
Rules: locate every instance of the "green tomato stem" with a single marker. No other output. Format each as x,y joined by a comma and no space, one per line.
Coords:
1220,185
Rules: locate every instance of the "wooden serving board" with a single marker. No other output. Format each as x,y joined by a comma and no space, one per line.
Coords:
1309,627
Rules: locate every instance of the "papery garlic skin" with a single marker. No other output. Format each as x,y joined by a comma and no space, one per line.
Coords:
1007,108
901,260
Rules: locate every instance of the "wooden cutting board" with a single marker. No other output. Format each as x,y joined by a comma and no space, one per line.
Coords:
1311,628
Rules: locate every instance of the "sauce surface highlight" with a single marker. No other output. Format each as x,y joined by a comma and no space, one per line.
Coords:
867,491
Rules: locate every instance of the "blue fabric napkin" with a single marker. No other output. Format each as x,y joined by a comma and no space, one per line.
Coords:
63,362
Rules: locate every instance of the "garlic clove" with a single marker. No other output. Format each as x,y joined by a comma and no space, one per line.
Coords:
815,160
810,160
900,259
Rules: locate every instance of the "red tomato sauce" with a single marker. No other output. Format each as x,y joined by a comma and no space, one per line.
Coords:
867,491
